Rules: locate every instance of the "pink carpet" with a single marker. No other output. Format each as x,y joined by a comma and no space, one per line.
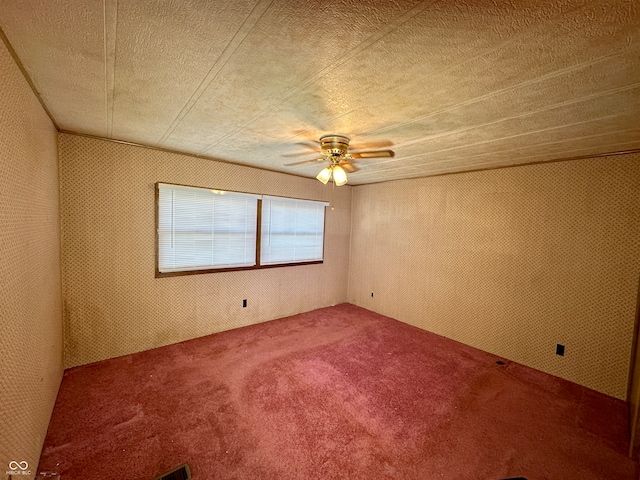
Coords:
339,392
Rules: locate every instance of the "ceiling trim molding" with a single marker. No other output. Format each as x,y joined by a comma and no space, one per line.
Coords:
26,76
500,167
177,152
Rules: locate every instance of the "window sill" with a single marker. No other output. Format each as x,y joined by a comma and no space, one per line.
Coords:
233,269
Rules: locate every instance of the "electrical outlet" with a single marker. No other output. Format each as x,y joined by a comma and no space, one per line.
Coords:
244,303
560,349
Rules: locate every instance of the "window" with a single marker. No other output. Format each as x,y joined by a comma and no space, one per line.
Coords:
291,231
203,230
200,229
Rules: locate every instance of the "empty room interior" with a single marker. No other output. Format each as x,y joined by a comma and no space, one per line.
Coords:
285,239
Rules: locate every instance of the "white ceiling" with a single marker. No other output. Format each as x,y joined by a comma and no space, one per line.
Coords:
455,85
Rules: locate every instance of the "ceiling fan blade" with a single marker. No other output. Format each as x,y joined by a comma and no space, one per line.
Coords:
305,161
375,154
372,144
309,144
297,154
349,167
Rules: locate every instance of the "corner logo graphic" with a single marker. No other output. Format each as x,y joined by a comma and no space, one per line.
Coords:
18,468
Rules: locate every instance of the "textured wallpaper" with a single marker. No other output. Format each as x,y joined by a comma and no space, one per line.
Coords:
30,301
633,396
511,261
113,305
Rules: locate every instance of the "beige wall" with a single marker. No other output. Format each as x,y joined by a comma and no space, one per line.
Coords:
633,396
511,261
113,305
30,301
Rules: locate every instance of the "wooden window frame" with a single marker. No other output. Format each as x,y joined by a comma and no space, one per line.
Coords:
257,266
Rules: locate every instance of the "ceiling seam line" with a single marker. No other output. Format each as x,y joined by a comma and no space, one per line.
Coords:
202,87
501,167
509,138
174,152
26,76
479,155
114,70
551,75
523,115
490,50
577,157
289,139
344,58
110,19
106,73
444,150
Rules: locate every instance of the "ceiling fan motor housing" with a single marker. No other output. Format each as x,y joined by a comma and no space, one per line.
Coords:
335,145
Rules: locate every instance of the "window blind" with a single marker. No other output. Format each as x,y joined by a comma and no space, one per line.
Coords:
201,229
291,231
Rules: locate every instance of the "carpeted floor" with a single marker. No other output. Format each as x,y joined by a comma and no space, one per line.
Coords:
339,392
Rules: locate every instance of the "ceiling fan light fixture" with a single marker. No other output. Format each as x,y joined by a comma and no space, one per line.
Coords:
339,175
325,175
335,149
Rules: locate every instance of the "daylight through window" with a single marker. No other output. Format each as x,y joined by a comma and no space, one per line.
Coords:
205,230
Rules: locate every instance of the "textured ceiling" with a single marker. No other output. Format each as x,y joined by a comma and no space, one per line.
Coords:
454,85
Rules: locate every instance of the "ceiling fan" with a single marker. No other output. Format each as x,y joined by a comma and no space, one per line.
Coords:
334,148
